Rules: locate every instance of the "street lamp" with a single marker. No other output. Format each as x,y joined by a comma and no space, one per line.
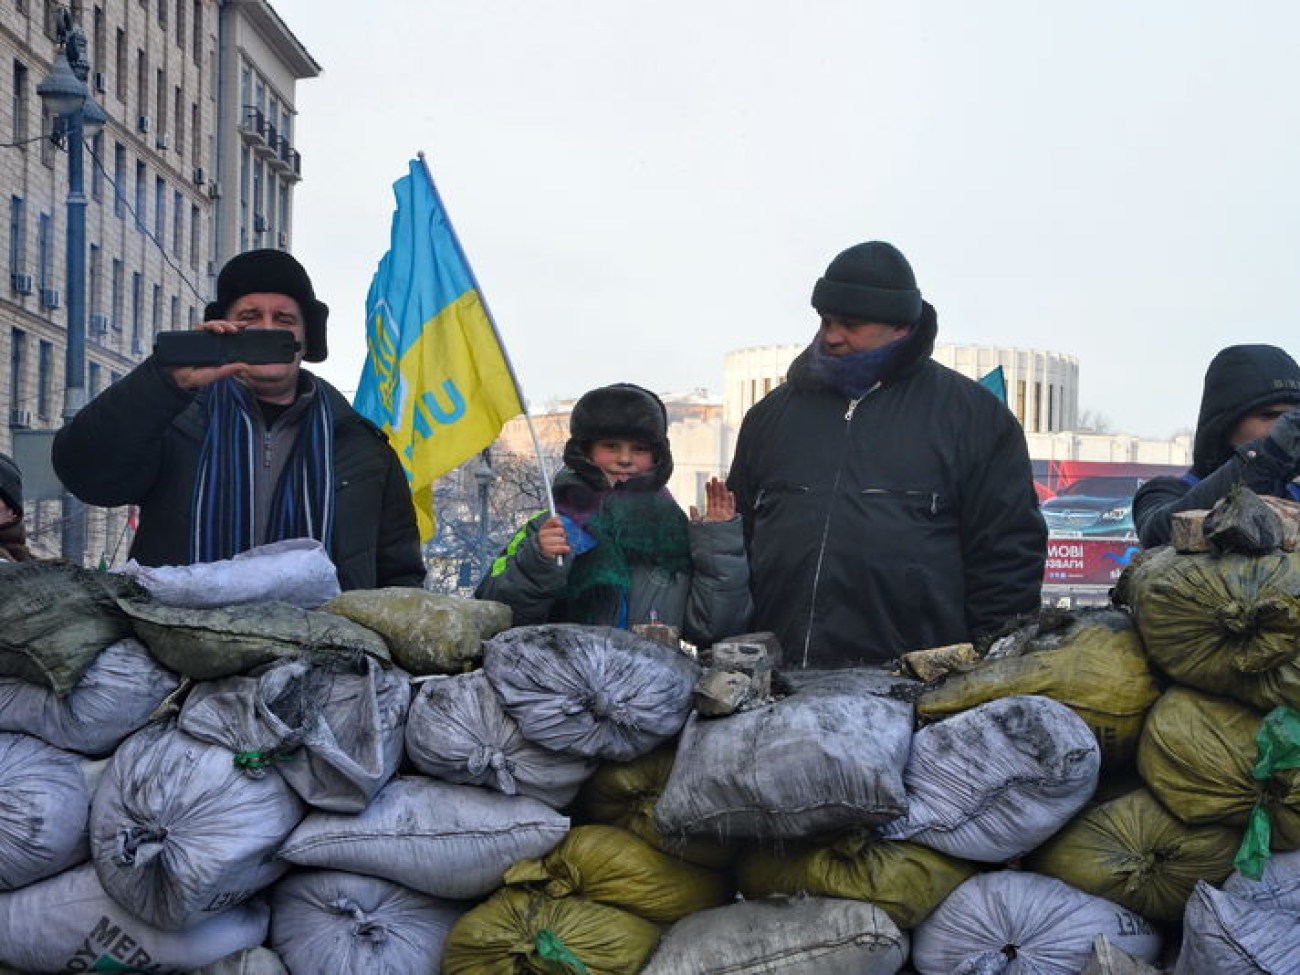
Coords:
66,96
484,476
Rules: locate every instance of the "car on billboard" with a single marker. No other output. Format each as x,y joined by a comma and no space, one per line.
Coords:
1092,507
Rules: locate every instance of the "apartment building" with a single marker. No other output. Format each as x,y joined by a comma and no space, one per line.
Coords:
195,163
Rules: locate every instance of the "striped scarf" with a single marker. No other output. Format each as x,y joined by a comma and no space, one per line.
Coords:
222,516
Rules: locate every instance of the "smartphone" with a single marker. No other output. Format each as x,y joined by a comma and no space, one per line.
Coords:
255,346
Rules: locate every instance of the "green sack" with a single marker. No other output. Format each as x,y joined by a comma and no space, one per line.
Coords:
1198,756
1227,624
206,644
1278,741
427,633
520,932
613,866
1134,852
905,880
1094,665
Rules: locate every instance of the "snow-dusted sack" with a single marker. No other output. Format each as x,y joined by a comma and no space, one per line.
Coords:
44,806
1228,935
296,571
593,691
457,730
447,840
994,782
179,834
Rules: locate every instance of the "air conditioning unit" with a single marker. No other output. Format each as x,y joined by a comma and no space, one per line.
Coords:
22,283
162,142
214,190
51,297
21,419
259,224
200,176
101,83
98,324
142,123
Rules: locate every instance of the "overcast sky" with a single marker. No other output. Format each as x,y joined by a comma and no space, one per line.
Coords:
642,187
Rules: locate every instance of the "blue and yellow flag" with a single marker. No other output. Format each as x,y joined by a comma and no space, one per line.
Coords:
436,378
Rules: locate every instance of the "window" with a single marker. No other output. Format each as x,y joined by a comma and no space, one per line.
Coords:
115,293
159,209
197,27
119,179
44,377
18,368
141,84
155,313
195,156
95,379
162,13
178,223
194,237
174,320
17,235
20,104
178,119
52,127
97,166
119,65
45,251
99,56
140,182
160,110
137,310
95,280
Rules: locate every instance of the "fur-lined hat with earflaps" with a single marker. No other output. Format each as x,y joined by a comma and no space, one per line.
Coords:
622,411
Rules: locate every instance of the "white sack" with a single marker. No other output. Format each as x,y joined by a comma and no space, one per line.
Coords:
297,571
593,691
114,697
333,728
457,730
330,921
44,807
251,961
1228,935
1278,889
994,782
69,924
830,755
1051,924
178,834
453,841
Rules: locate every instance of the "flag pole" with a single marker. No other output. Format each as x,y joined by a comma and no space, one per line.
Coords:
492,323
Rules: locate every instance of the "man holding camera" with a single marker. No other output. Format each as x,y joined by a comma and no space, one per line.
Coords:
222,458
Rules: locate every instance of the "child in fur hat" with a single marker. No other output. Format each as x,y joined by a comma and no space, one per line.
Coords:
621,551
13,533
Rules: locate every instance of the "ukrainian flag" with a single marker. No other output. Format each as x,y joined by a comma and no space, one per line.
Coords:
436,378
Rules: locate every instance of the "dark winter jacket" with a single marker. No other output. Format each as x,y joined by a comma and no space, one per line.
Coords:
139,442
903,520
706,603
1239,380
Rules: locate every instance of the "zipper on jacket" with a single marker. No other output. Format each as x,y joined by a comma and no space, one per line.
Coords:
934,496
266,449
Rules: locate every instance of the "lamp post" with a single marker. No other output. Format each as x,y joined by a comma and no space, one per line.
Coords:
66,96
484,476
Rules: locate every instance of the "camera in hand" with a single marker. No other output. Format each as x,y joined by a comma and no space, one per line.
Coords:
254,346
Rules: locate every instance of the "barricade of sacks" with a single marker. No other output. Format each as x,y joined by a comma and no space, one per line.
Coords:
395,781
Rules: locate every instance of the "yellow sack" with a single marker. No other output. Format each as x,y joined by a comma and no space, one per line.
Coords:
1134,852
624,794
905,880
1196,756
1227,624
1095,666
612,866
518,932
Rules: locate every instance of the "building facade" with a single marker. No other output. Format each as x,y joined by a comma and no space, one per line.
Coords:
194,164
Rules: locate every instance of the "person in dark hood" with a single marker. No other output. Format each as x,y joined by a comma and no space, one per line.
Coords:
888,501
13,533
620,551
221,459
1247,432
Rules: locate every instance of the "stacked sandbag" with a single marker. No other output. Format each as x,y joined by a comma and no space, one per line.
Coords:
329,921
1010,921
297,571
516,930
828,756
439,838
905,880
612,866
179,833
591,691
427,633
457,730
992,783
1224,934
68,923
1092,661
56,618
1133,851
113,698
1276,889
331,727
793,936
44,807
250,961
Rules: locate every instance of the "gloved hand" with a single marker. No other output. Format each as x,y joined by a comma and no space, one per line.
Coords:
1284,437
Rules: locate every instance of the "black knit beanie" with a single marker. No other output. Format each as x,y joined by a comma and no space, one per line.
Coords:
1239,380
270,271
11,483
869,282
620,411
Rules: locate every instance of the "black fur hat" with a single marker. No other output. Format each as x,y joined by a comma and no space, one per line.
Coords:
1239,380
623,411
270,271
869,282
11,483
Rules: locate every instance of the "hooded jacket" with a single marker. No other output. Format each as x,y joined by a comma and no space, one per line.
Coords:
140,440
1239,380
902,520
